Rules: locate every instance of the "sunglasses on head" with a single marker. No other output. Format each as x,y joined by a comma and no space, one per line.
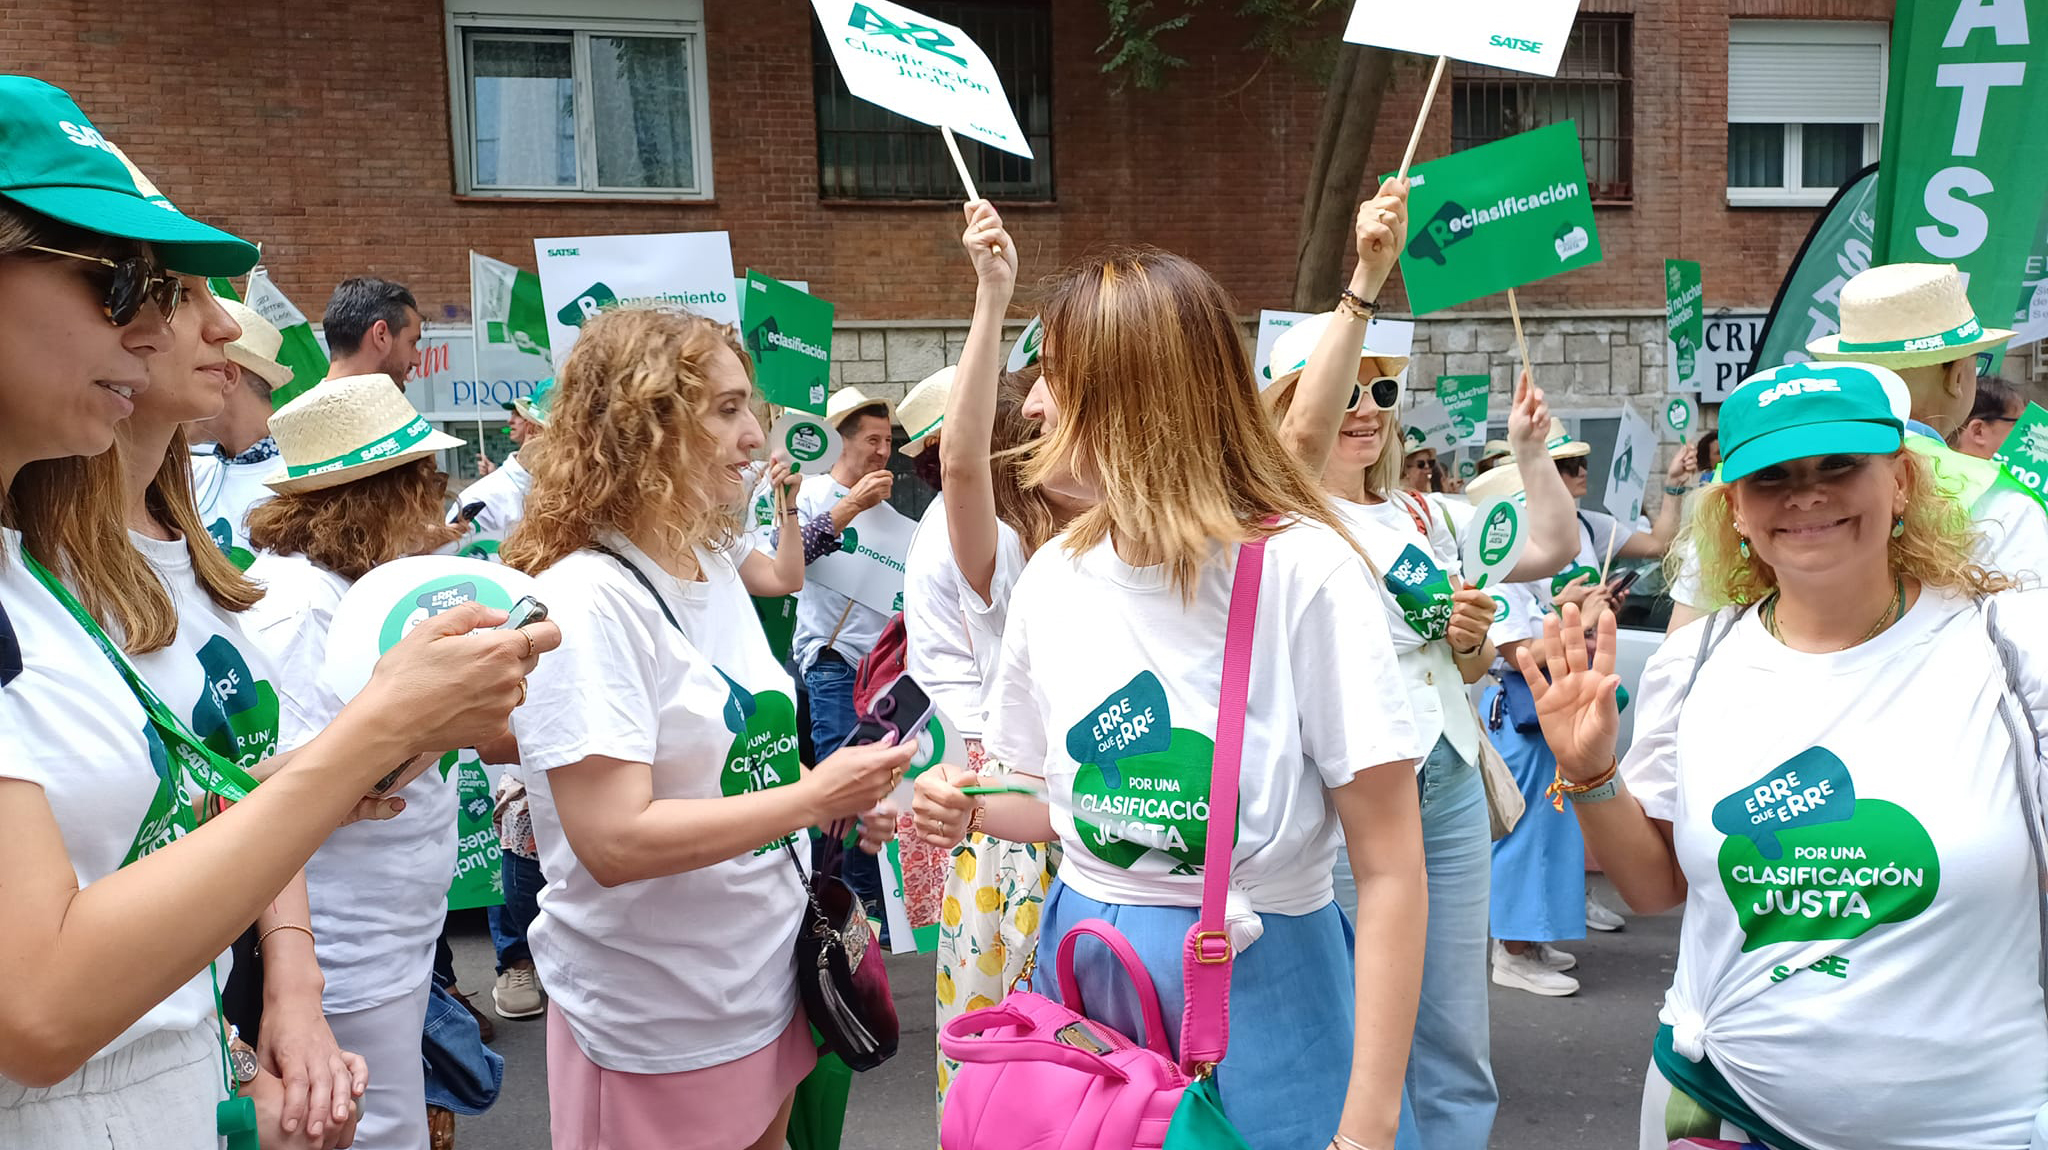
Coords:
1384,391
134,280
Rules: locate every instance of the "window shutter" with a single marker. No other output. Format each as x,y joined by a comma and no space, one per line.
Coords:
1800,72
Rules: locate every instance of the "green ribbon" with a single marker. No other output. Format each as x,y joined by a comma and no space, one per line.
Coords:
1954,337
404,439
929,428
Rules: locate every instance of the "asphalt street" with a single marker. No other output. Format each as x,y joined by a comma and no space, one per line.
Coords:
1570,1069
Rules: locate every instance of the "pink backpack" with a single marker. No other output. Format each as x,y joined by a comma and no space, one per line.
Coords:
1036,1074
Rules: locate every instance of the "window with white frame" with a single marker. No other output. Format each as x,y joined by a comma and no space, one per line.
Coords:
1805,99
597,99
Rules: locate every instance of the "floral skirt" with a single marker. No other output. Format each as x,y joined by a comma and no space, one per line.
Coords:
988,923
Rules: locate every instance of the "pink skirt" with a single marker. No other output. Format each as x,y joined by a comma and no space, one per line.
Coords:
716,1108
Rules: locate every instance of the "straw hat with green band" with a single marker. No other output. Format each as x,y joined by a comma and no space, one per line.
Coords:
924,409
1807,409
53,161
348,429
533,407
1560,443
1908,315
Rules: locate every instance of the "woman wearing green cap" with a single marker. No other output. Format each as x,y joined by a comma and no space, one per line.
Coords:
118,903
1838,775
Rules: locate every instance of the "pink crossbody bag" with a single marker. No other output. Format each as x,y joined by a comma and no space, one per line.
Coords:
1036,1074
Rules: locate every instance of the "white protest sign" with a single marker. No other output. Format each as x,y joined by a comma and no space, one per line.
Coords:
1635,454
1429,426
1494,542
1521,35
1271,325
582,275
922,68
1024,352
1681,415
806,440
868,567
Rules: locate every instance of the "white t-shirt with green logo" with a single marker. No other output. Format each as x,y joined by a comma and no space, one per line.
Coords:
1417,577
953,634
379,889
1860,951
211,676
70,725
1108,689
823,614
224,493
687,970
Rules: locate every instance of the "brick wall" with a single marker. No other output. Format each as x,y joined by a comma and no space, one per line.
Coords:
322,130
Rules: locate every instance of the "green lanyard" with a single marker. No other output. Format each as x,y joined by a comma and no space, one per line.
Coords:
190,759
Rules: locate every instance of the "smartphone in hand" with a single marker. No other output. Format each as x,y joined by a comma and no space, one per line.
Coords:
902,709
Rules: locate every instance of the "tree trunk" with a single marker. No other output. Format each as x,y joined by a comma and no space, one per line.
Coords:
1351,112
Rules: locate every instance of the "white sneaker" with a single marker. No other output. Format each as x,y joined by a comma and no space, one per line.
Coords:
1598,917
1557,960
1524,972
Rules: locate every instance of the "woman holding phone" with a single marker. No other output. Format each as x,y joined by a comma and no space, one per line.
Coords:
108,1035
661,756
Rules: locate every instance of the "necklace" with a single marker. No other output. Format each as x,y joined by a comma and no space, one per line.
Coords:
1892,613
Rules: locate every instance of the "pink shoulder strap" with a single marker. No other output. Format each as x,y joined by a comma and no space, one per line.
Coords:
1207,960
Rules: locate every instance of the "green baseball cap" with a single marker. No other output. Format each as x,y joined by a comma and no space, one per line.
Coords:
53,161
1806,409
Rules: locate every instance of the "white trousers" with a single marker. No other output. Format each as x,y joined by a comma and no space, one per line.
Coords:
156,1093
388,1038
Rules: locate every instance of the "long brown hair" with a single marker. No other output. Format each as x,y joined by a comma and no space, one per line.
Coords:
1160,413
628,439
1024,508
1935,547
354,526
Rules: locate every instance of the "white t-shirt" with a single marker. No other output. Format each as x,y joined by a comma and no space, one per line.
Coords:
70,725
503,495
1600,536
1860,950
1416,573
687,970
224,493
379,889
212,677
1108,690
953,635
819,609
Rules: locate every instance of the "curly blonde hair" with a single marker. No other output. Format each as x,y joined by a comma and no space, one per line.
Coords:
1935,548
355,526
628,441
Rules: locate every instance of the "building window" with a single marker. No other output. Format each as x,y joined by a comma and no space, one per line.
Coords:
1594,86
579,105
868,153
1805,99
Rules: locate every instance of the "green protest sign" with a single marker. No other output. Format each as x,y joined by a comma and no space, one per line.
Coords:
479,879
1498,216
1494,543
1465,397
1685,325
1809,303
789,334
1963,175
1681,414
810,443
2025,451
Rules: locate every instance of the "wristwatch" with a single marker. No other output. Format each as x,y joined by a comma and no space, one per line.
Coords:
1599,794
241,1060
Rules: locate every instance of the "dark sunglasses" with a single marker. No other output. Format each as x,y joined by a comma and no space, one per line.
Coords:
134,280
1571,466
1385,391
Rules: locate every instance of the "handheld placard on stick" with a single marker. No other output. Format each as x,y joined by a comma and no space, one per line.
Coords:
953,146
1422,117
1521,341
1608,562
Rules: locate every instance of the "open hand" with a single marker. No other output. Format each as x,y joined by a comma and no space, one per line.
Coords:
1576,705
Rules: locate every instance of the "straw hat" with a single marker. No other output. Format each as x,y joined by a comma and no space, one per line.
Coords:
256,350
850,399
534,406
1560,443
924,409
347,429
1488,486
1290,353
1907,315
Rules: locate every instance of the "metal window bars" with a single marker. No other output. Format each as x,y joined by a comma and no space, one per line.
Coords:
1595,86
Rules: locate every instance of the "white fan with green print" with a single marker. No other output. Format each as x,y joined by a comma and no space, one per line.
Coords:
385,605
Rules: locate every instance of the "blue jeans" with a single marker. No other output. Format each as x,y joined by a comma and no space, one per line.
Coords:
1450,1097
523,883
829,683
462,1073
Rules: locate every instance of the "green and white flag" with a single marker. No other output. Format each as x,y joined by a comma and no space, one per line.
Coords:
789,334
2025,451
505,310
301,350
1498,216
1809,303
1628,475
1963,173
1466,398
1685,325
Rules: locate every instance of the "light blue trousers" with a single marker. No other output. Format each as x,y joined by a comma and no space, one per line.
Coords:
1450,1098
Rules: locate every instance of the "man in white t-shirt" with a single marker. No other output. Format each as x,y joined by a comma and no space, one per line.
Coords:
502,490
228,472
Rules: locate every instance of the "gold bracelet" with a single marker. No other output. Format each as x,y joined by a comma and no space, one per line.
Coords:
307,931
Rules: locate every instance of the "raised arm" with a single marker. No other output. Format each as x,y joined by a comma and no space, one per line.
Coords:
1553,517
1310,427
782,573
965,445
1657,541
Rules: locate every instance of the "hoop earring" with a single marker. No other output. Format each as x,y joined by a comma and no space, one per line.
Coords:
1898,526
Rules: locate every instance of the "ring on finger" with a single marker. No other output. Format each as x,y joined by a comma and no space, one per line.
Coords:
522,694
529,642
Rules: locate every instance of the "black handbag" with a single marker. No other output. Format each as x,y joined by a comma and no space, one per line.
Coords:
840,974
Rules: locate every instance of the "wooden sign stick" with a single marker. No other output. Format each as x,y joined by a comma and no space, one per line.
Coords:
953,146
1422,117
